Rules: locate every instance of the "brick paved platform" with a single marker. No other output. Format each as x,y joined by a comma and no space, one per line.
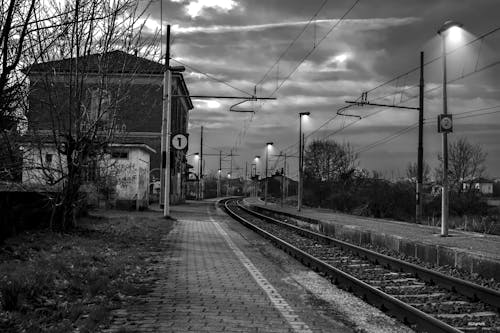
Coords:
218,276
473,252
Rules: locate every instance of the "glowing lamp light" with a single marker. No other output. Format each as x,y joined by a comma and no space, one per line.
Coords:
452,30
455,34
213,104
340,58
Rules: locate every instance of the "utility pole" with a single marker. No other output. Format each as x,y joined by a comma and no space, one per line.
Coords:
219,174
165,133
420,153
230,172
246,177
200,168
282,183
285,182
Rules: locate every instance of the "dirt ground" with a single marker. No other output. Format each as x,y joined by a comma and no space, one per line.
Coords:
61,282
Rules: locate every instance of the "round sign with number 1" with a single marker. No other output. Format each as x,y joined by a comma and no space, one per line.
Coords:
179,141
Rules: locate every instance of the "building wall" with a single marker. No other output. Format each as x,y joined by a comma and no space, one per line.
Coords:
132,178
42,166
485,188
135,109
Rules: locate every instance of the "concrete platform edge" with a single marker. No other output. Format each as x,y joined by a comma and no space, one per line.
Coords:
430,253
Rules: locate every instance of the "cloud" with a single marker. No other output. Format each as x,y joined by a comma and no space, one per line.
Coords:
357,24
196,8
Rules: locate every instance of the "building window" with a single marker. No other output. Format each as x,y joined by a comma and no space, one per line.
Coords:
48,158
120,154
90,172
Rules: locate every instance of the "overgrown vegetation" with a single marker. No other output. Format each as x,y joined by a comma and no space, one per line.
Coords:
333,181
63,282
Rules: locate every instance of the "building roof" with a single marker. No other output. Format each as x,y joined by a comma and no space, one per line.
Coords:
109,62
114,62
141,146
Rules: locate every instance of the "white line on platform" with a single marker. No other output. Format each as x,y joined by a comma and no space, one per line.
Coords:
278,302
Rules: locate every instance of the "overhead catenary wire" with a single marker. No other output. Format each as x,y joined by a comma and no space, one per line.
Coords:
211,76
315,47
311,50
292,42
459,115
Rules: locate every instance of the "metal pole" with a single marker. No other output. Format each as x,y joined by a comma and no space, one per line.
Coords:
265,182
444,201
200,168
230,171
420,153
299,185
282,185
285,180
220,172
165,129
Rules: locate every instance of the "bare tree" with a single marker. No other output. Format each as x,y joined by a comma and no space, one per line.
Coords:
77,88
466,162
327,160
16,17
412,172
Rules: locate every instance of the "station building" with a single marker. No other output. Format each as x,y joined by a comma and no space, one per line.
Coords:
120,94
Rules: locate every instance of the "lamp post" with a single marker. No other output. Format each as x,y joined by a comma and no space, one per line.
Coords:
301,162
444,127
256,159
268,146
197,158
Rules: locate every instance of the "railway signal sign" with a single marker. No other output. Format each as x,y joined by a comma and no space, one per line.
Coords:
179,141
445,123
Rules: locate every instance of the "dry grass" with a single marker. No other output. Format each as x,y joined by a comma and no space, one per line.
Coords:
65,282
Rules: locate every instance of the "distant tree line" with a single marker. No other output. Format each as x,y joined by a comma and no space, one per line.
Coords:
332,179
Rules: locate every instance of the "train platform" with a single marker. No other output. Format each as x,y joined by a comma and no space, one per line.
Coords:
473,252
215,275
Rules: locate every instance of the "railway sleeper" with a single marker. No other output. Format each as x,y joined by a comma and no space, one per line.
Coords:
451,307
475,329
396,282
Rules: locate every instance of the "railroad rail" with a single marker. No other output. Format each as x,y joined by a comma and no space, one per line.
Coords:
425,300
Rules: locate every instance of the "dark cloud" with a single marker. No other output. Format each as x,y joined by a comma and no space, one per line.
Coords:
380,39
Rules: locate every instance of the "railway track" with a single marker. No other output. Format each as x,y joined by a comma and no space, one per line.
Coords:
425,300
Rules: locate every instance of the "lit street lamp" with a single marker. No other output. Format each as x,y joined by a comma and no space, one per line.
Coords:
445,125
256,160
269,145
301,162
197,159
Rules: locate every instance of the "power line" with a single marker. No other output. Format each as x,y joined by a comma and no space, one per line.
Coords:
211,77
436,58
316,46
293,42
460,115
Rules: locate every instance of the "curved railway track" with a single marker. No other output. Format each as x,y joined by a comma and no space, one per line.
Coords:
425,300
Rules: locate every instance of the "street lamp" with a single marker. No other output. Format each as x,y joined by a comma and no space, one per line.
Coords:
256,160
301,162
444,125
197,159
269,145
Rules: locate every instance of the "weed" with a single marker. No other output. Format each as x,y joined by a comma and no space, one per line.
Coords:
11,295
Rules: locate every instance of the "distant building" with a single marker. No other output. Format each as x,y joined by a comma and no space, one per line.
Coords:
482,185
134,92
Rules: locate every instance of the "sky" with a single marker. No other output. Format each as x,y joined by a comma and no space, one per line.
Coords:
302,54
